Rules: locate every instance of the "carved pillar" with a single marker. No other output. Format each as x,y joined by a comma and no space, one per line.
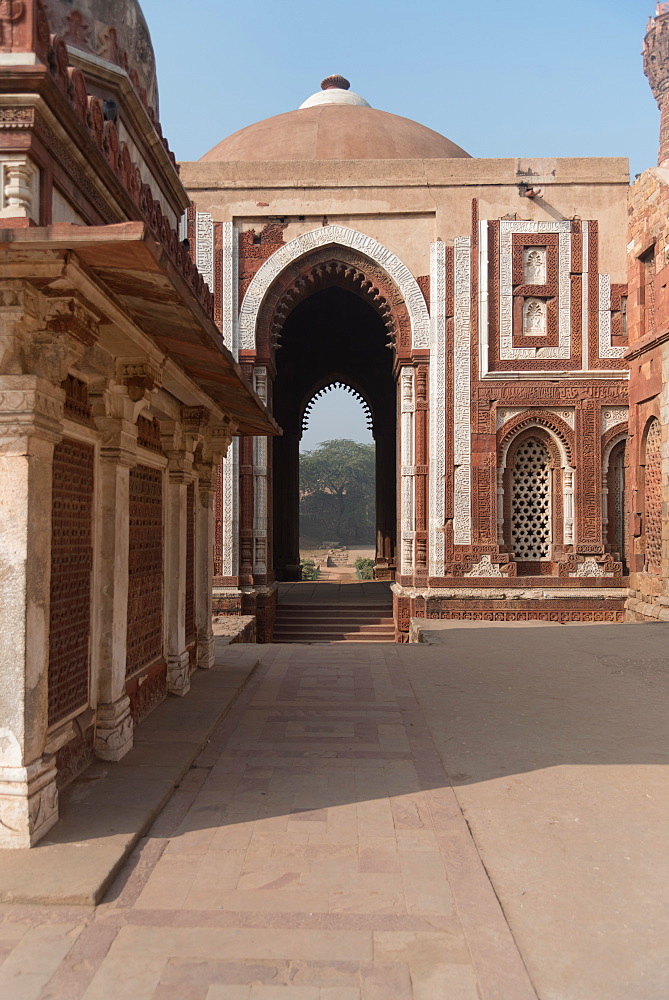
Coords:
30,426
246,537
260,487
178,660
19,188
407,526
588,450
605,502
114,413
568,506
500,507
204,562
420,468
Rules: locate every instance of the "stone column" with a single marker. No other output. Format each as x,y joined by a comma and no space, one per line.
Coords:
30,426
605,502
178,661
407,525
260,491
204,563
114,729
568,506
500,507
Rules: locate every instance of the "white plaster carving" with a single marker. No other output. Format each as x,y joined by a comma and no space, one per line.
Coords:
462,519
485,567
606,348
507,351
612,416
590,567
568,494
230,294
398,272
407,520
534,265
437,471
204,247
231,511
534,318
585,346
484,302
506,413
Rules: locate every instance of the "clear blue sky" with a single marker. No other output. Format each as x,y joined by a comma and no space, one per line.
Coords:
500,79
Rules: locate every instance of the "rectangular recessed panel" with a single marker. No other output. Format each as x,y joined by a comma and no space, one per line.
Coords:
145,568
190,561
71,565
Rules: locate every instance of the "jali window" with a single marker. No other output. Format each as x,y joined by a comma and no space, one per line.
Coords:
531,501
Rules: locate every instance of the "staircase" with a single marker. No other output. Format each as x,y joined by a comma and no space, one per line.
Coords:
334,623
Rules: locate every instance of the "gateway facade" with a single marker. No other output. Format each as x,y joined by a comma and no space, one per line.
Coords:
477,308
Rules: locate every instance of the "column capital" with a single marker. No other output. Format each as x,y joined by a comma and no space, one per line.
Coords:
115,416
30,406
218,438
180,466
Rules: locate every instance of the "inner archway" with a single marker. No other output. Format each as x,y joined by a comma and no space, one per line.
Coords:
337,487
334,334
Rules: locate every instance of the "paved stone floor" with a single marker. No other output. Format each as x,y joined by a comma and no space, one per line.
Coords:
397,823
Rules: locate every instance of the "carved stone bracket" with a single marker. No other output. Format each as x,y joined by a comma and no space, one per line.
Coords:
139,378
70,316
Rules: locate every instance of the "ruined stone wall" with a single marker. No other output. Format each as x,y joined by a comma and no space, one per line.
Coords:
648,357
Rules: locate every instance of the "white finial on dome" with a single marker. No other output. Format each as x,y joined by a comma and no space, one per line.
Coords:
335,90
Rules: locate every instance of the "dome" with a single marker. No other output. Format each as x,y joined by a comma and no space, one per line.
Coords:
335,124
115,30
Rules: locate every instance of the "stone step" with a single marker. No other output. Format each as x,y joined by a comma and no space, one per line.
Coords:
334,637
325,619
314,623
344,609
333,626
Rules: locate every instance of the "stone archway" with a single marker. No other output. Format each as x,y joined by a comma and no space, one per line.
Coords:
373,258
332,314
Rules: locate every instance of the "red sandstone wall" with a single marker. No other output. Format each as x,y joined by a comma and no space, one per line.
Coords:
648,356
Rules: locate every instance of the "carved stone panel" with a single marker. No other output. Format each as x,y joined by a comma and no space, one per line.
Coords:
190,561
71,566
145,568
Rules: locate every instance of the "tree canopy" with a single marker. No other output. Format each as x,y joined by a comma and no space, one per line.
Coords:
337,492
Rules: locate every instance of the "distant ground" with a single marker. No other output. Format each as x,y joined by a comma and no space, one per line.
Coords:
335,574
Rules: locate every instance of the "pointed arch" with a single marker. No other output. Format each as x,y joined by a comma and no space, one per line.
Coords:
409,291
330,385
558,429
556,438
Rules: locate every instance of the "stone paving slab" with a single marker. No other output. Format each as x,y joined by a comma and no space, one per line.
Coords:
558,752
106,810
483,820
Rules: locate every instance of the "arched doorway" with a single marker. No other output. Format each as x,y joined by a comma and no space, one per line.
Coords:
330,304
338,331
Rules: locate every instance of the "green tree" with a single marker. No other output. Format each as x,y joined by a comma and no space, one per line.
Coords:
337,491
